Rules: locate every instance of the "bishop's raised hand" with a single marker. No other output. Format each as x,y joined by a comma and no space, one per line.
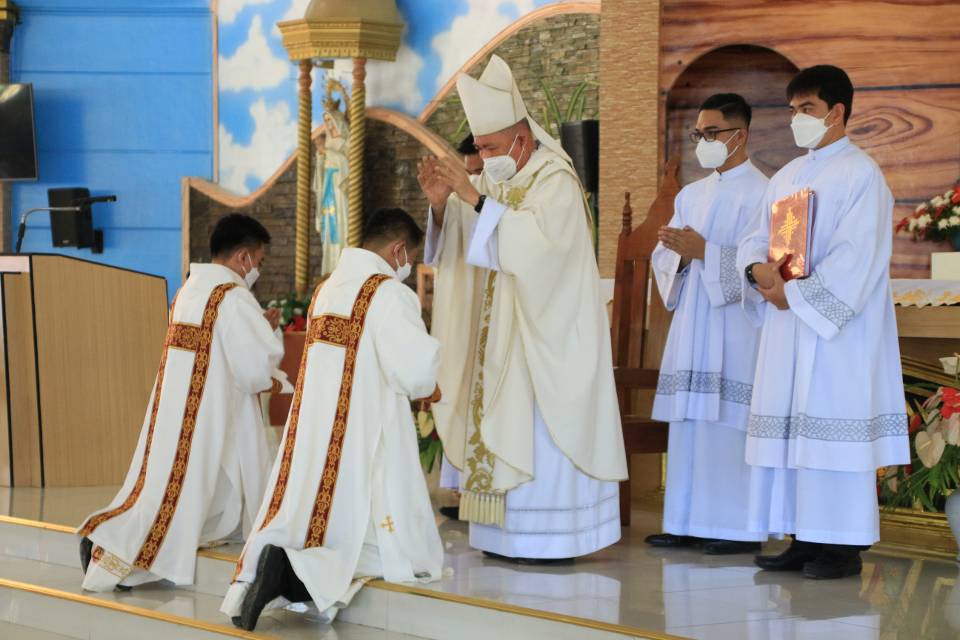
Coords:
432,183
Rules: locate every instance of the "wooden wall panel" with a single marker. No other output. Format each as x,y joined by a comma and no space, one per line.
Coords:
880,43
24,407
913,134
108,324
903,63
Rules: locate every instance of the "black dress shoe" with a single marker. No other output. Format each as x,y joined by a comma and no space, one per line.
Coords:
729,547
672,541
86,553
793,559
529,561
268,585
450,512
835,561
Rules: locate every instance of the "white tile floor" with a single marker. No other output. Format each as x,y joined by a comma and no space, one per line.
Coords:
677,592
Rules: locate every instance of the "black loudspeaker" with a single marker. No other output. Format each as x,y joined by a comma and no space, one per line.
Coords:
73,228
581,139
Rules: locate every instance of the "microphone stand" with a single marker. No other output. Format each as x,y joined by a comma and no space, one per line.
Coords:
23,221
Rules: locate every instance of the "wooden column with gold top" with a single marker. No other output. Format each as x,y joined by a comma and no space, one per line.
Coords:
330,29
358,135
304,155
9,16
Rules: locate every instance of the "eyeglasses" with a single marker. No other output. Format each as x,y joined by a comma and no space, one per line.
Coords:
709,135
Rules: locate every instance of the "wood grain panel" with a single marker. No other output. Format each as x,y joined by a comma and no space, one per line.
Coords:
5,454
913,135
100,333
879,43
21,360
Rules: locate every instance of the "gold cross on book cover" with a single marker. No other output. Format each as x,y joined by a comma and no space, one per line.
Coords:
791,231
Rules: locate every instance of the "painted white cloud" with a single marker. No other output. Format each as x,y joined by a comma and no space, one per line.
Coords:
388,83
228,10
274,138
253,65
470,32
295,12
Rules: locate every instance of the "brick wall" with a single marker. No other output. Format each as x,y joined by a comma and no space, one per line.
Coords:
390,181
562,51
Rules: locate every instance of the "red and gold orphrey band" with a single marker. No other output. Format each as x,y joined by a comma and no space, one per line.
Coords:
174,338
343,332
331,468
198,378
191,338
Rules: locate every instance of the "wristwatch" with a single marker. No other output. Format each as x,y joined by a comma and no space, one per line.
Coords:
748,272
479,206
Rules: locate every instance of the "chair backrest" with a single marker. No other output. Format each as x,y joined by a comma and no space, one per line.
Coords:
640,329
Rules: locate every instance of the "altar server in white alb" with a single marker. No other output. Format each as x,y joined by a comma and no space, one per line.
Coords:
706,377
347,499
200,466
530,412
828,406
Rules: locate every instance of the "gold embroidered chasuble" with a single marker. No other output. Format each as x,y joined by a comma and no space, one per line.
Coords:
532,332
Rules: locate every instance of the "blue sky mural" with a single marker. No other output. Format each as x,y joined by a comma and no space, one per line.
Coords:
258,83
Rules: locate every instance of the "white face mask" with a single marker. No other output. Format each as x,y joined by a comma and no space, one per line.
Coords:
809,131
250,277
502,168
404,270
712,155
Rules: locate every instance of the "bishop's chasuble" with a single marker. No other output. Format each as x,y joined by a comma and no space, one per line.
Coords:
706,376
201,462
529,411
347,499
827,407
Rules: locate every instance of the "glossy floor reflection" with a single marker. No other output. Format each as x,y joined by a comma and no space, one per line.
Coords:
680,592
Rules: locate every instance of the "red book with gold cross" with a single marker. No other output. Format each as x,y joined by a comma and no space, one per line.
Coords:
791,231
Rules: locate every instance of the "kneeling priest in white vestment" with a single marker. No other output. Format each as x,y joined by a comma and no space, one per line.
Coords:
706,376
347,499
200,466
828,406
530,411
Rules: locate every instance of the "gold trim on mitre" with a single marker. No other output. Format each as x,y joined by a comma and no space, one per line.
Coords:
493,103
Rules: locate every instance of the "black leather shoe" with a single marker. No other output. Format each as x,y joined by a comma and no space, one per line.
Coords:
672,541
834,562
450,512
86,553
269,584
729,547
793,559
528,561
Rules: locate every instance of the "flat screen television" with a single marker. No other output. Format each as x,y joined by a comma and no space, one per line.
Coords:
18,139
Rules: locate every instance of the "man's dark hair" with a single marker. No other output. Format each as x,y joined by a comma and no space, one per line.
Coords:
830,84
732,105
468,146
389,224
234,231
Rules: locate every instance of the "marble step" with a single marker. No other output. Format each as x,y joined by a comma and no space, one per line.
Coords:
44,600
432,613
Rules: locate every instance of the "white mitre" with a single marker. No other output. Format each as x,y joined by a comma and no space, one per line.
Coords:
493,103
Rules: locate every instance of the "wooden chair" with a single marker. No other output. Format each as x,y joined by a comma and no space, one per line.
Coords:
639,329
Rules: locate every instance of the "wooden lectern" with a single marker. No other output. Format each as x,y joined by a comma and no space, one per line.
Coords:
79,352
